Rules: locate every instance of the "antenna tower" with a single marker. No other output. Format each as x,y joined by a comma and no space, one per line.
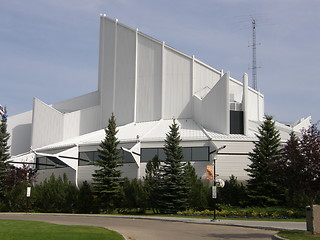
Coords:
254,56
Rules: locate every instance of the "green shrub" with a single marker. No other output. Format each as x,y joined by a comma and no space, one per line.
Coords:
271,212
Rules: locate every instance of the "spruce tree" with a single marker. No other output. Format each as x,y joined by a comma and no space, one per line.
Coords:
107,179
197,191
173,187
152,183
4,155
262,186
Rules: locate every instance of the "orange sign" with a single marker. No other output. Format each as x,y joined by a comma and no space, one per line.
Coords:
209,172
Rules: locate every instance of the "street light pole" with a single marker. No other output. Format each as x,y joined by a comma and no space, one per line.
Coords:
214,188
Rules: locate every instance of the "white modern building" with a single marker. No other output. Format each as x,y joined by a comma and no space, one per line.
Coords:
146,84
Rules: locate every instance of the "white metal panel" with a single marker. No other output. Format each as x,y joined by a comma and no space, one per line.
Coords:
227,165
149,79
178,85
204,77
47,124
19,128
125,75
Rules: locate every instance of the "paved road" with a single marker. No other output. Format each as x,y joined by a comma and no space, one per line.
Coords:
151,229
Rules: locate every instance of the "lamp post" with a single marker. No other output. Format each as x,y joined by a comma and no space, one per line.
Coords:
214,187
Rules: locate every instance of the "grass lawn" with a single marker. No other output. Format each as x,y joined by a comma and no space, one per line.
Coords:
298,235
31,230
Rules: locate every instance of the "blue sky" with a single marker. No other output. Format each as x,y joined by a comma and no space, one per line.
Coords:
49,48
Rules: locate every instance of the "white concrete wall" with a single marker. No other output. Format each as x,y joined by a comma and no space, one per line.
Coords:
204,76
19,127
149,79
77,103
236,90
47,125
216,107
81,122
255,105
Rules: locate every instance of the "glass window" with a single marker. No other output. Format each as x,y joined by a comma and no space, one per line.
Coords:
95,156
162,156
86,158
127,157
41,163
186,151
200,154
148,153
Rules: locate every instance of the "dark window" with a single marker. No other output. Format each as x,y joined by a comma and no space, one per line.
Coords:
87,158
236,122
189,154
148,153
127,157
49,162
186,151
200,154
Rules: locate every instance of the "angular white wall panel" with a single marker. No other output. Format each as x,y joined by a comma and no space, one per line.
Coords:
149,78
236,91
255,105
204,77
81,102
81,122
177,97
216,107
19,128
47,125
125,75
107,67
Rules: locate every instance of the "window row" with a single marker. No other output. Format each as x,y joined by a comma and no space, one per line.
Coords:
90,158
189,154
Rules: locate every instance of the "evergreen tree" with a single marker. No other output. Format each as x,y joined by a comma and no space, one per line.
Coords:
233,193
173,188
197,191
85,199
107,179
262,186
4,155
152,183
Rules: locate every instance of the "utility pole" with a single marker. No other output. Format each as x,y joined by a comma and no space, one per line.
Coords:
254,56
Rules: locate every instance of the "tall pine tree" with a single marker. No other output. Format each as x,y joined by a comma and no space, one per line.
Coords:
107,179
262,186
4,155
173,186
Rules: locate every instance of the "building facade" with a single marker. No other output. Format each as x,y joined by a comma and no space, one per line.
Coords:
146,84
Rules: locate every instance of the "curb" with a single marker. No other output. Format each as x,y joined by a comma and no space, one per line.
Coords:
276,237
